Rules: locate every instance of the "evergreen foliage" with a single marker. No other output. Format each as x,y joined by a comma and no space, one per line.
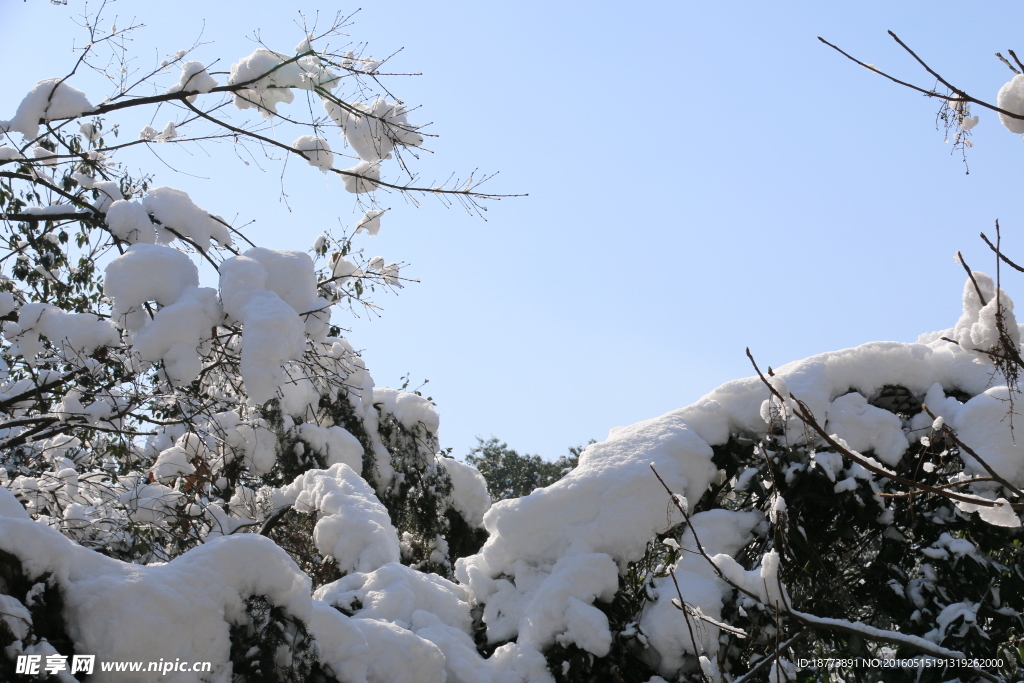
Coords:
511,475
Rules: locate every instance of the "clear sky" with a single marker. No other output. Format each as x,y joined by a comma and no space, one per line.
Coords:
702,177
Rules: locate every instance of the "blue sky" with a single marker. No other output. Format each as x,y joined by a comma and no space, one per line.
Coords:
702,177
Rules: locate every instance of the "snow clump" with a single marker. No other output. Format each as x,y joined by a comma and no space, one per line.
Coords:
316,150
49,100
195,79
1011,98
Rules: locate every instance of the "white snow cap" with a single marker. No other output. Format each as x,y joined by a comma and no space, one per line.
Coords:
316,150
8,153
73,334
978,331
409,409
335,443
272,331
370,222
116,609
373,130
469,491
146,272
49,100
1011,98
194,78
969,122
266,90
179,334
352,526
360,178
186,316
867,428
174,209
129,221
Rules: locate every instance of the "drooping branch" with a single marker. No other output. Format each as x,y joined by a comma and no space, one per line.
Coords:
958,92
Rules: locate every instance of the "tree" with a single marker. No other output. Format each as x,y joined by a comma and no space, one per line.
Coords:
198,474
510,475
145,414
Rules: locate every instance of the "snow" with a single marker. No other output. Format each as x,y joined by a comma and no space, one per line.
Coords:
1011,98
178,333
721,532
129,221
316,150
373,130
536,606
395,592
146,272
360,178
469,491
259,443
594,507
108,190
978,329
117,610
870,632
292,276
75,335
1000,515
170,132
166,276
370,222
49,100
273,333
260,94
866,428
194,79
967,611
342,269
344,648
550,559
10,507
336,444
409,409
980,423
89,131
15,616
668,636
174,210
270,77
172,463
44,156
399,656
52,209
8,153
968,123
352,526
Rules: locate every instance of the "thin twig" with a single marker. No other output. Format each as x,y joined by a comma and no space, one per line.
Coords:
1001,255
970,274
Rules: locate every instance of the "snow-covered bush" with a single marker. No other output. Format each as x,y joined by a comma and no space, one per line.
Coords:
202,469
